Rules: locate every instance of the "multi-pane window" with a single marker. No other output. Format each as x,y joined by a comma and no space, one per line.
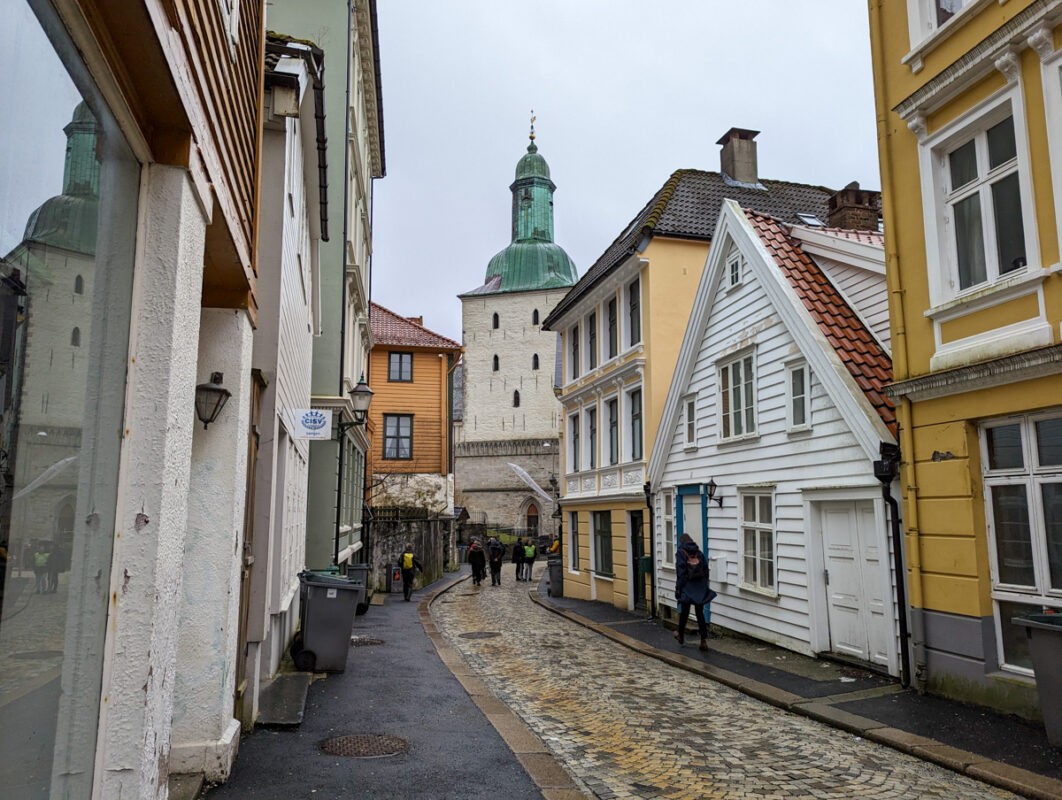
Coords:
634,401
613,337
733,268
983,205
573,428
737,397
573,540
612,407
400,367
591,436
1022,463
669,528
689,405
601,523
634,312
398,436
798,407
591,340
573,336
757,541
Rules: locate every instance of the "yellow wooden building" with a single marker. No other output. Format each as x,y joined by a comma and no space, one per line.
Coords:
969,110
621,327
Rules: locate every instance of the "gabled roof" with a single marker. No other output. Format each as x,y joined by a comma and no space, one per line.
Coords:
687,206
867,362
388,328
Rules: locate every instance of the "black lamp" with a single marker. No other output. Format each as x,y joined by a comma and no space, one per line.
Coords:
210,398
711,487
362,396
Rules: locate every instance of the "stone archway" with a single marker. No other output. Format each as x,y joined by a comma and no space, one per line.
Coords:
531,518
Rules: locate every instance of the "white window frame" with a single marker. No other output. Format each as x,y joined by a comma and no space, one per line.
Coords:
614,422
592,344
595,555
791,397
613,301
941,254
689,421
627,442
735,268
574,454
1051,72
724,377
573,541
759,528
628,329
667,518
1032,477
574,352
593,436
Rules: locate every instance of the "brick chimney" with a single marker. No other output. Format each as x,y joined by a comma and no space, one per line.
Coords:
855,209
738,156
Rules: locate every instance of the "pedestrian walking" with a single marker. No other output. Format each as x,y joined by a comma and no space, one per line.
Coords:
477,558
410,565
40,568
691,588
529,558
495,556
518,558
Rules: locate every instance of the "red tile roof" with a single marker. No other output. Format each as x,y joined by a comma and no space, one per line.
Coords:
866,237
862,354
391,329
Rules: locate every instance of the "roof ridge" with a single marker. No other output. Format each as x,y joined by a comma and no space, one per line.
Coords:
399,319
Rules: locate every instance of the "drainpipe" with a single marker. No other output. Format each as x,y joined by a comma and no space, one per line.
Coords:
901,368
886,471
652,554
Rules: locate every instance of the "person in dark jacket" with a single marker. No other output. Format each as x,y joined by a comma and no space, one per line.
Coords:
691,588
410,566
518,558
478,560
495,556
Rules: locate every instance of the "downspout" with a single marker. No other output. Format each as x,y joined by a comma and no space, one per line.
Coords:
901,369
652,554
886,471
341,460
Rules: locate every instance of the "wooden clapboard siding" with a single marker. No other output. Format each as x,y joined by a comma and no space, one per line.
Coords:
424,398
197,100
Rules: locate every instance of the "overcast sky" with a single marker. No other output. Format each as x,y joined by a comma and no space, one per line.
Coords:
625,91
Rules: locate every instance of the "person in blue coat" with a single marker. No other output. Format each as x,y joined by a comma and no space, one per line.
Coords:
691,588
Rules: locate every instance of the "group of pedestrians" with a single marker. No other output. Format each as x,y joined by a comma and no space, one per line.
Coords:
524,553
481,558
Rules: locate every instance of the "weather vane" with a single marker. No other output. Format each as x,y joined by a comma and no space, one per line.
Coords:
532,124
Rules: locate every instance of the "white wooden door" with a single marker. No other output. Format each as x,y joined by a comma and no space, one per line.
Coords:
692,519
858,599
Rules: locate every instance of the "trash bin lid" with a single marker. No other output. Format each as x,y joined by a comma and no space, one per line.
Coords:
322,578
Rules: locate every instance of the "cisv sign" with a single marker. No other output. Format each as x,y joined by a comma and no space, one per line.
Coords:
311,423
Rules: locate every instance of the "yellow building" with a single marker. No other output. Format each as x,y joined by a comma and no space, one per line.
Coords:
621,327
969,109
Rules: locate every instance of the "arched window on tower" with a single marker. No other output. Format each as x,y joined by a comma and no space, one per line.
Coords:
79,285
75,337
494,321
534,317
495,363
516,399
534,361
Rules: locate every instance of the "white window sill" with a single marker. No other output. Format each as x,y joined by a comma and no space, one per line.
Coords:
1001,291
769,593
1017,338
799,430
751,437
690,448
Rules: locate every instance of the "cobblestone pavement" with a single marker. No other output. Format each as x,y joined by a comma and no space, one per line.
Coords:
31,636
629,726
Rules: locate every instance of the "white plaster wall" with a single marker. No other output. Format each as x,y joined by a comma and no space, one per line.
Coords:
489,413
140,657
205,734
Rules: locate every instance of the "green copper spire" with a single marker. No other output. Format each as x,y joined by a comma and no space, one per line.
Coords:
532,260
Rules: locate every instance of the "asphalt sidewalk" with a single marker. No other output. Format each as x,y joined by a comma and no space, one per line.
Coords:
404,682
1001,750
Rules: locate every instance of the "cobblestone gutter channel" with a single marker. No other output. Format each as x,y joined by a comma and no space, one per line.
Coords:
602,718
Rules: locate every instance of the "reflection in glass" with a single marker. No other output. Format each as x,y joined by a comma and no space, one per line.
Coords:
1010,513
1052,498
1049,442
67,231
1004,447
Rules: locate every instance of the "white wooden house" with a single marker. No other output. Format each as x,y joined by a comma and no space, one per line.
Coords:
777,400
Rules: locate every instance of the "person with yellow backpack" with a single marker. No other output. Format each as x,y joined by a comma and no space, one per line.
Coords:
410,565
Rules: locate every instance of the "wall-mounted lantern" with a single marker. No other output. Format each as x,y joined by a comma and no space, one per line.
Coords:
210,398
711,487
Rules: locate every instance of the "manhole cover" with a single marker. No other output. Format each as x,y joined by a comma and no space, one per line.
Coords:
35,655
364,641
480,635
365,745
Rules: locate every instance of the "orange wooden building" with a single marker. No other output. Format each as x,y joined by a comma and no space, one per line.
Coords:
410,370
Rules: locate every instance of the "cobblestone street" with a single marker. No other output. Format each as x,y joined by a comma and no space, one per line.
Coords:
629,726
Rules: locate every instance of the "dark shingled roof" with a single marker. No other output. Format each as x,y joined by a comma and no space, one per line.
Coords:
687,207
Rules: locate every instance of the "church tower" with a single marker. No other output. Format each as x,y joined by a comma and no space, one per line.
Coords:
510,412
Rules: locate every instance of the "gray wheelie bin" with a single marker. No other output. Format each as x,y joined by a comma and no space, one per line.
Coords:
328,602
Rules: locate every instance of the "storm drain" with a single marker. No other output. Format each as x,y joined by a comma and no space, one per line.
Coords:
364,641
480,635
365,745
